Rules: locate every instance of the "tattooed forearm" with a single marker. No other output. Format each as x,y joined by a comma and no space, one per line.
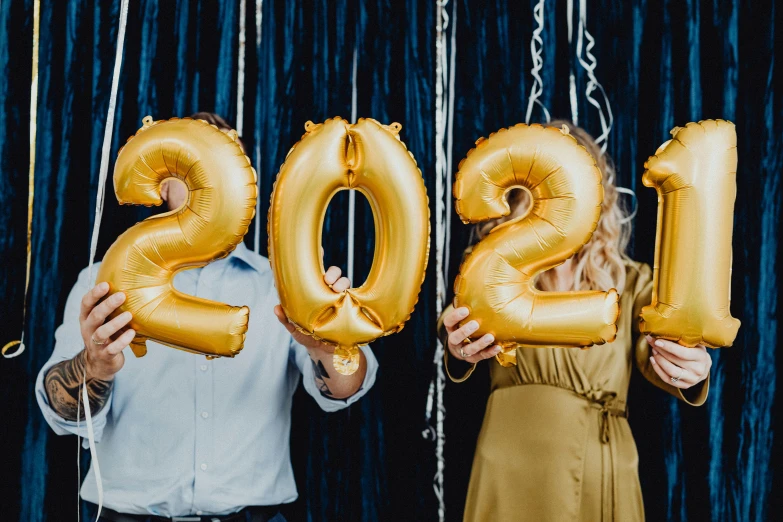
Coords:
62,386
319,372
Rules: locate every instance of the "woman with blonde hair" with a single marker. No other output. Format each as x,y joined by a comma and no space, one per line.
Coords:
555,443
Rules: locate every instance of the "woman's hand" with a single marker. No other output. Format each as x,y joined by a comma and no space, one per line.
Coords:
338,284
677,365
473,352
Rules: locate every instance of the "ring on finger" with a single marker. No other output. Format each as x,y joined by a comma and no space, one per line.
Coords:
677,379
462,353
98,343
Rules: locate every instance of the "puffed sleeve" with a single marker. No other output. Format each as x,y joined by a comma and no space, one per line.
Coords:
642,296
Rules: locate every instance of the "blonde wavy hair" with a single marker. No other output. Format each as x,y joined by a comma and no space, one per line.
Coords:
600,264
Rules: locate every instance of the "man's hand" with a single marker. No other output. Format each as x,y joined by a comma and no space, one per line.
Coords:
677,365
104,341
330,383
338,284
473,352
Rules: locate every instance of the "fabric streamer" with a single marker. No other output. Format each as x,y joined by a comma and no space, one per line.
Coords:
444,101
536,49
607,119
571,76
31,182
352,193
99,201
241,69
257,230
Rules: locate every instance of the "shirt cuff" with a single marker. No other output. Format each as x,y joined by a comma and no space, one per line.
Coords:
328,404
62,426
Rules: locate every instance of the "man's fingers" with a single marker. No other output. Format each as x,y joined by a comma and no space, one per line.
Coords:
102,311
280,314
455,316
332,275
684,353
460,334
92,297
106,331
341,285
121,342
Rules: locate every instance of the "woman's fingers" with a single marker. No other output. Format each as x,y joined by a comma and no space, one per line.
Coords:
105,332
99,313
460,334
677,350
486,353
92,297
454,317
666,371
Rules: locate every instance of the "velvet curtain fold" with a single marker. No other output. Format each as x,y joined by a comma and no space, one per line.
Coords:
662,63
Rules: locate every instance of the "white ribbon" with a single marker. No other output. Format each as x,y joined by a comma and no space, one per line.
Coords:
257,231
91,439
607,119
241,69
352,193
536,50
571,77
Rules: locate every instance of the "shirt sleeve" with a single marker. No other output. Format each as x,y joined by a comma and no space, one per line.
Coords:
67,343
696,395
301,358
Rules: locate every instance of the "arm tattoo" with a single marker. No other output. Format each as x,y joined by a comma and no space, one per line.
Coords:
62,387
319,372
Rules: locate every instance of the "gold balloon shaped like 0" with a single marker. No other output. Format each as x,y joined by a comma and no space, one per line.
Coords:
695,175
369,157
496,280
142,262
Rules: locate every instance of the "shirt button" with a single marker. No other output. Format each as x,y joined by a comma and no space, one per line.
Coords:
204,414
203,367
204,467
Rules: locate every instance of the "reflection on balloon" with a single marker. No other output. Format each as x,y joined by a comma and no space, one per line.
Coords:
368,157
695,175
496,279
214,219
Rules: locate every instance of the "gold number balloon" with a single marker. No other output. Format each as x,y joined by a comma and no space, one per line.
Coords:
368,157
214,219
695,175
496,279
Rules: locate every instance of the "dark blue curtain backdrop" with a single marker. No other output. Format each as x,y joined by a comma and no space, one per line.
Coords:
663,63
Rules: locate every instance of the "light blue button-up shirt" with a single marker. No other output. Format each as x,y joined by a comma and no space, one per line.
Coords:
184,435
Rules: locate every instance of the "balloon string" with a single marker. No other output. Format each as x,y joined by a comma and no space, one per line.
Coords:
631,193
607,119
536,51
257,231
571,76
241,69
31,179
107,134
91,440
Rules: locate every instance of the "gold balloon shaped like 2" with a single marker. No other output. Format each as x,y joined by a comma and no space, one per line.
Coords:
368,157
695,174
142,262
495,281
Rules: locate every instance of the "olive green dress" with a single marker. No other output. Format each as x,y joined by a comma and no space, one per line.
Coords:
555,444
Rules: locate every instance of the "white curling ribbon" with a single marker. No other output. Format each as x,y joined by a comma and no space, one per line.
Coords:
257,229
241,69
607,119
91,439
536,50
631,193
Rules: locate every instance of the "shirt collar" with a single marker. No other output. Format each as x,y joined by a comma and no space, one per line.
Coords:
247,256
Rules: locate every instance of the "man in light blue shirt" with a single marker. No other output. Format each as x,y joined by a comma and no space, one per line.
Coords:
179,435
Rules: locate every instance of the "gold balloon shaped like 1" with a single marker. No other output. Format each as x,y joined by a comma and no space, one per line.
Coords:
695,174
496,280
368,157
142,262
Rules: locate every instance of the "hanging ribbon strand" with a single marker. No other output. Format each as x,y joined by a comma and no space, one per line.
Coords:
352,193
241,69
536,51
31,178
444,101
257,229
606,118
99,201
571,75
